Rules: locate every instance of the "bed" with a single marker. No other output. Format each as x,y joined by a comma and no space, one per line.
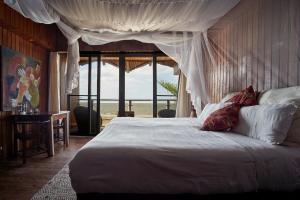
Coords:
138,156
173,156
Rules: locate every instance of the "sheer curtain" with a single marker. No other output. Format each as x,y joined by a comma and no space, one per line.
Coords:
57,82
183,108
63,71
175,26
54,83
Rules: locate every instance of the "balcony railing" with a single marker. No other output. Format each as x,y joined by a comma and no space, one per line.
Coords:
82,100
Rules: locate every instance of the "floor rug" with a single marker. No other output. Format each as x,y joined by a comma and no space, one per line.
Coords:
59,187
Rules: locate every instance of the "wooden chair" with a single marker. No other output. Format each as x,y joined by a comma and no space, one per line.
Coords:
58,127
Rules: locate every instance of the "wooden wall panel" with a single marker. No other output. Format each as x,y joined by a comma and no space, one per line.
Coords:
31,39
5,139
257,44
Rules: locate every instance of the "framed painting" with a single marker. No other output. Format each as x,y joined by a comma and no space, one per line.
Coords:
20,79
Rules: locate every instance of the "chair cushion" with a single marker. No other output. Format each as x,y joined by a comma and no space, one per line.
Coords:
166,113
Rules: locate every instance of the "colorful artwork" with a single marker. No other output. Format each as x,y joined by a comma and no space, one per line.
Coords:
20,78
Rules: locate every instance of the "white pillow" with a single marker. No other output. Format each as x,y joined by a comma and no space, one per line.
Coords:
269,123
210,108
290,95
281,95
228,96
294,133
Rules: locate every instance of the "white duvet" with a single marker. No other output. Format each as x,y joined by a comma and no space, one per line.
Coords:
171,156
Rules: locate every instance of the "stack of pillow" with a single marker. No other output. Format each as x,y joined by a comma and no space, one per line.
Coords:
275,120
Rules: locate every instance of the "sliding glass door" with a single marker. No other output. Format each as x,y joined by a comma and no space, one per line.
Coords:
121,84
109,91
167,87
84,102
139,86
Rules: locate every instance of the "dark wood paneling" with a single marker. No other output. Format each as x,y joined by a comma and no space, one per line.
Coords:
30,39
5,139
46,36
257,44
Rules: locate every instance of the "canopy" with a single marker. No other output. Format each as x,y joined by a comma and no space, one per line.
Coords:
177,27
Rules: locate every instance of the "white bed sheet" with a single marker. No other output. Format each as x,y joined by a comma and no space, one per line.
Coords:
171,156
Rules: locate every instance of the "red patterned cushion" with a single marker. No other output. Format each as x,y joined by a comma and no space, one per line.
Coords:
223,119
246,97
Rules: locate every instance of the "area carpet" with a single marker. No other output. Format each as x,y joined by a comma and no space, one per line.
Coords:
59,187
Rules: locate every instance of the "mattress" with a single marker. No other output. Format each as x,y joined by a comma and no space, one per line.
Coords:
172,156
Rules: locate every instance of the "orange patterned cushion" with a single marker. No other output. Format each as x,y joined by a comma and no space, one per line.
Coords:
223,119
246,97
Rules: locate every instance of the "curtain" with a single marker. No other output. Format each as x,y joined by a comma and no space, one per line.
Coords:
57,82
175,26
63,71
183,108
54,83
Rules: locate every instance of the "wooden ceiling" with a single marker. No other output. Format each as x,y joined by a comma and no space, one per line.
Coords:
132,63
125,45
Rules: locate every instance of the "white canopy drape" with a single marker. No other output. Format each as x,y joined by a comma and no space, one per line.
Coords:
175,26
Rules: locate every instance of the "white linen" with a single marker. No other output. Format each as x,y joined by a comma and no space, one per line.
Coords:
269,123
172,156
280,96
177,27
290,95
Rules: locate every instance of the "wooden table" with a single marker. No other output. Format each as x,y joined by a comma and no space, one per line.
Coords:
46,116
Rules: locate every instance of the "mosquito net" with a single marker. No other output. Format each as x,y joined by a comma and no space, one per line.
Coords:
177,27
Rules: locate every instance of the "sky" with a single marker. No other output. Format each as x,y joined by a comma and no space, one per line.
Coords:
138,83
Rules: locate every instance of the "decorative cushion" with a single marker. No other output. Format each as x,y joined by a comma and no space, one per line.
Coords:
290,95
246,97
223,119
210,108
269,123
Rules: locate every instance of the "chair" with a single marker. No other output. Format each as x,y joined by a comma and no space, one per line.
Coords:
58,127
82,119
166,113
129,113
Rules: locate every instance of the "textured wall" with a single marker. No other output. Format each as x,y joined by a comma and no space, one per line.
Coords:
255,44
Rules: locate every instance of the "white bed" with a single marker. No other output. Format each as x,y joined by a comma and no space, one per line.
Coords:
172,156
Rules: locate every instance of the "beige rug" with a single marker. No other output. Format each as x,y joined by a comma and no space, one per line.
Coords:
59,187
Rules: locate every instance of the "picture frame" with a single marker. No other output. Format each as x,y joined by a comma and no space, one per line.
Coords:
20,77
